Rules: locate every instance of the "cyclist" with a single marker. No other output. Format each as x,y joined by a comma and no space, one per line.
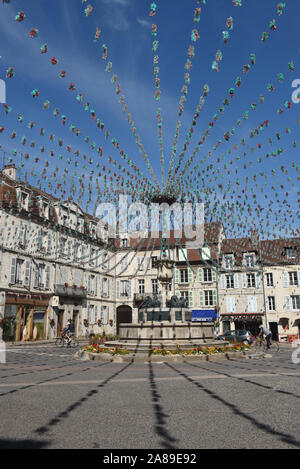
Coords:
68,330
265,331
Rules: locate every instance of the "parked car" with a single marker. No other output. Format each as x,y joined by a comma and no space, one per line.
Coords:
240,335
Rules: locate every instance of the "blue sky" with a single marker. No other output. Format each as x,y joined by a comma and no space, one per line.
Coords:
126,31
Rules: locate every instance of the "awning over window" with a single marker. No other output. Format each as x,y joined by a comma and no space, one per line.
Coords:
204,315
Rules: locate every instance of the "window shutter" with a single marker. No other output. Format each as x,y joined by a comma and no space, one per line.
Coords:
96,314
47,285
129,288
254,303
77,278
201,298
288,304
250,304
229,304
190,275
176,275
223,281
13,270
118,288
177,293
213,275
190,298
214,297
285,278
108,287
36,276
257,280
244,281
200,274
236,280
27,274
22,235
298,275
96,285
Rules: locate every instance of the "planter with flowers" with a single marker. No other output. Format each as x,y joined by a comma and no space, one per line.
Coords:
99,322
85,322
111,322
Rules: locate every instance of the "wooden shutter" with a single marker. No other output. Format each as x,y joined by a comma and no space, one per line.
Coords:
47,284
27,274
213,275
200,274
214,297
257,280
229,304
13,270
201,298
285,279
236,280
190,275
223,281
191,302
288,303
244,280
177,277
118,288
36,276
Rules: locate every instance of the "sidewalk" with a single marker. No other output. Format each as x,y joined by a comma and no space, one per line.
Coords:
40,342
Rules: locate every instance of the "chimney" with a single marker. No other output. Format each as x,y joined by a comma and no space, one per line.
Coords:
10,171
254,238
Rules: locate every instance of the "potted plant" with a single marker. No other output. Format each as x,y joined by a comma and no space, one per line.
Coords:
99,322
74,286
85,322
111,322
66,285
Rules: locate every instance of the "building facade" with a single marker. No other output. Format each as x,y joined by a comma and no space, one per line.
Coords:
56,264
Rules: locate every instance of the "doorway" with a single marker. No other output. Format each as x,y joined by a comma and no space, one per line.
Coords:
274,330
75,320
124,316
60,322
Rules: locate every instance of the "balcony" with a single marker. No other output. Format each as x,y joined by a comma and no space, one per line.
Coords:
70,291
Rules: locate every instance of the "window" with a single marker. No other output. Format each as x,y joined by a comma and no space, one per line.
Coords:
293,278
154,285
185,295
18,279
295,301
76,252
91,314
207,277
22,236
208,298
153,262
250,260
124,243
39,276
270,282
65,220
91,284
93,257
141,287
104,287
124,288
62,247
229,281
183,276
250,280
228,262
290,253
252,304
140,263
271,302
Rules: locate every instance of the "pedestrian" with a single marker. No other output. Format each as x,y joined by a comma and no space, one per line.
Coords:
264,331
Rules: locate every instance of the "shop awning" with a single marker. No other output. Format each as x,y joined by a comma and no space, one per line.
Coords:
204,315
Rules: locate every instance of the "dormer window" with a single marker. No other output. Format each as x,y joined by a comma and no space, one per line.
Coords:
23,199
228,262
249,258
44,209
290,253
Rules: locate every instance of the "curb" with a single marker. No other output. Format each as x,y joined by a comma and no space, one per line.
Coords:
107,357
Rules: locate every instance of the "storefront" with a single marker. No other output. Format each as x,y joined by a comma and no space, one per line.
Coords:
25,317
204,315
250,322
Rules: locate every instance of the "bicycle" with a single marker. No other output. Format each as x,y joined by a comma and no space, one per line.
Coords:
261,345
63,342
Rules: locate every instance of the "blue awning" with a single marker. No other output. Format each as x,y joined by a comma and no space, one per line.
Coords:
204,315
